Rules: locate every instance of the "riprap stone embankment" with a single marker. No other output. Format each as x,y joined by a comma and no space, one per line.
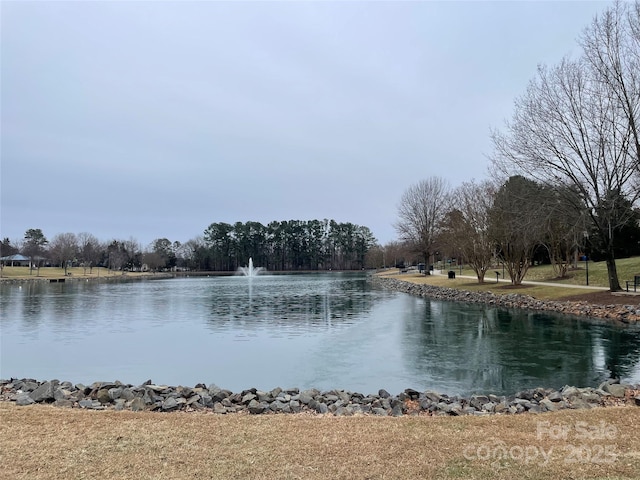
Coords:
622,313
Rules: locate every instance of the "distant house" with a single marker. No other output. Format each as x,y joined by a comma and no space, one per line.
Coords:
16,260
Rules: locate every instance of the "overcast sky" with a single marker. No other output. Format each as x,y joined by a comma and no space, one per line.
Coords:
156,119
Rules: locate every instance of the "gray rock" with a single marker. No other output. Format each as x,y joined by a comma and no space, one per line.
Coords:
219,408
127,394
307,395
579,403
555,396
615,389
137,404
256,407
548,405
234,398
44,393
478,401
278,406
219,395
119,404
28,386
61,394
342,412
85,403
170,404
592,397
433,396
489,407
568,391
24,399
525,395
379,411
248,398
455,408
383,393
157,388
396,410
103,396
263,396
64,403
331,398
115,393
319,407
276,392
295,406
412,394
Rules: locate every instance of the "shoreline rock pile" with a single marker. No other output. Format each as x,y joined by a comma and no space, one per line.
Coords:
213,399
624,313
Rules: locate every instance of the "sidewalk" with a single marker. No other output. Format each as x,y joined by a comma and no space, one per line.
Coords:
488,279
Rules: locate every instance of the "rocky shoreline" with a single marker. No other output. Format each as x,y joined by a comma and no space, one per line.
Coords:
213,399
629,314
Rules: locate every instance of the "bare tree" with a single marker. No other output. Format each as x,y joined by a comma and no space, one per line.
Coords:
133,252
564,227
89,251
611,46
466,230
153,261
566,129
515,225
420,212
64,249
116,255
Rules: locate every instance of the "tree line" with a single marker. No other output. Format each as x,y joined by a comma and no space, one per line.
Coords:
513,224
280,245
565,171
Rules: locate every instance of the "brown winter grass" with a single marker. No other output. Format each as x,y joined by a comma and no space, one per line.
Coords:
22,273
44,442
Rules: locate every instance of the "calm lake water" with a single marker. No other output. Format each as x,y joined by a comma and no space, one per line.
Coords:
313,330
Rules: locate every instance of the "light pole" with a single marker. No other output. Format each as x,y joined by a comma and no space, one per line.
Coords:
586,264
586,258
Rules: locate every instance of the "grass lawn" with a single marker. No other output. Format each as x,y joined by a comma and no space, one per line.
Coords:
43,442
627,268
20,273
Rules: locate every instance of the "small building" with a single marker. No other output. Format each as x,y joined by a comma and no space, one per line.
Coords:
16,260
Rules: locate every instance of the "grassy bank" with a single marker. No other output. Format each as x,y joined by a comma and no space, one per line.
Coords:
559,289
46,273
626,268
42,442
542,292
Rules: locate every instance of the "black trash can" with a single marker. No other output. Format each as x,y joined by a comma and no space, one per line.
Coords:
452,274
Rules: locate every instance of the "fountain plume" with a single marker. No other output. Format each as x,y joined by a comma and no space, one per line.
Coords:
250,271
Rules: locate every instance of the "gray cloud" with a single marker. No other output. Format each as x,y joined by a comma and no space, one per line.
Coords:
154,119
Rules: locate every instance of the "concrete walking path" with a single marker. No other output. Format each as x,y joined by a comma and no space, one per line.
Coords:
487,279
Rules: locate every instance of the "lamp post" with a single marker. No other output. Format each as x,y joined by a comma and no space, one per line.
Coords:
586,258
586,265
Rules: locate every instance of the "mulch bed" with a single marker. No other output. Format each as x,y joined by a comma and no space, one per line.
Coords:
604,298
